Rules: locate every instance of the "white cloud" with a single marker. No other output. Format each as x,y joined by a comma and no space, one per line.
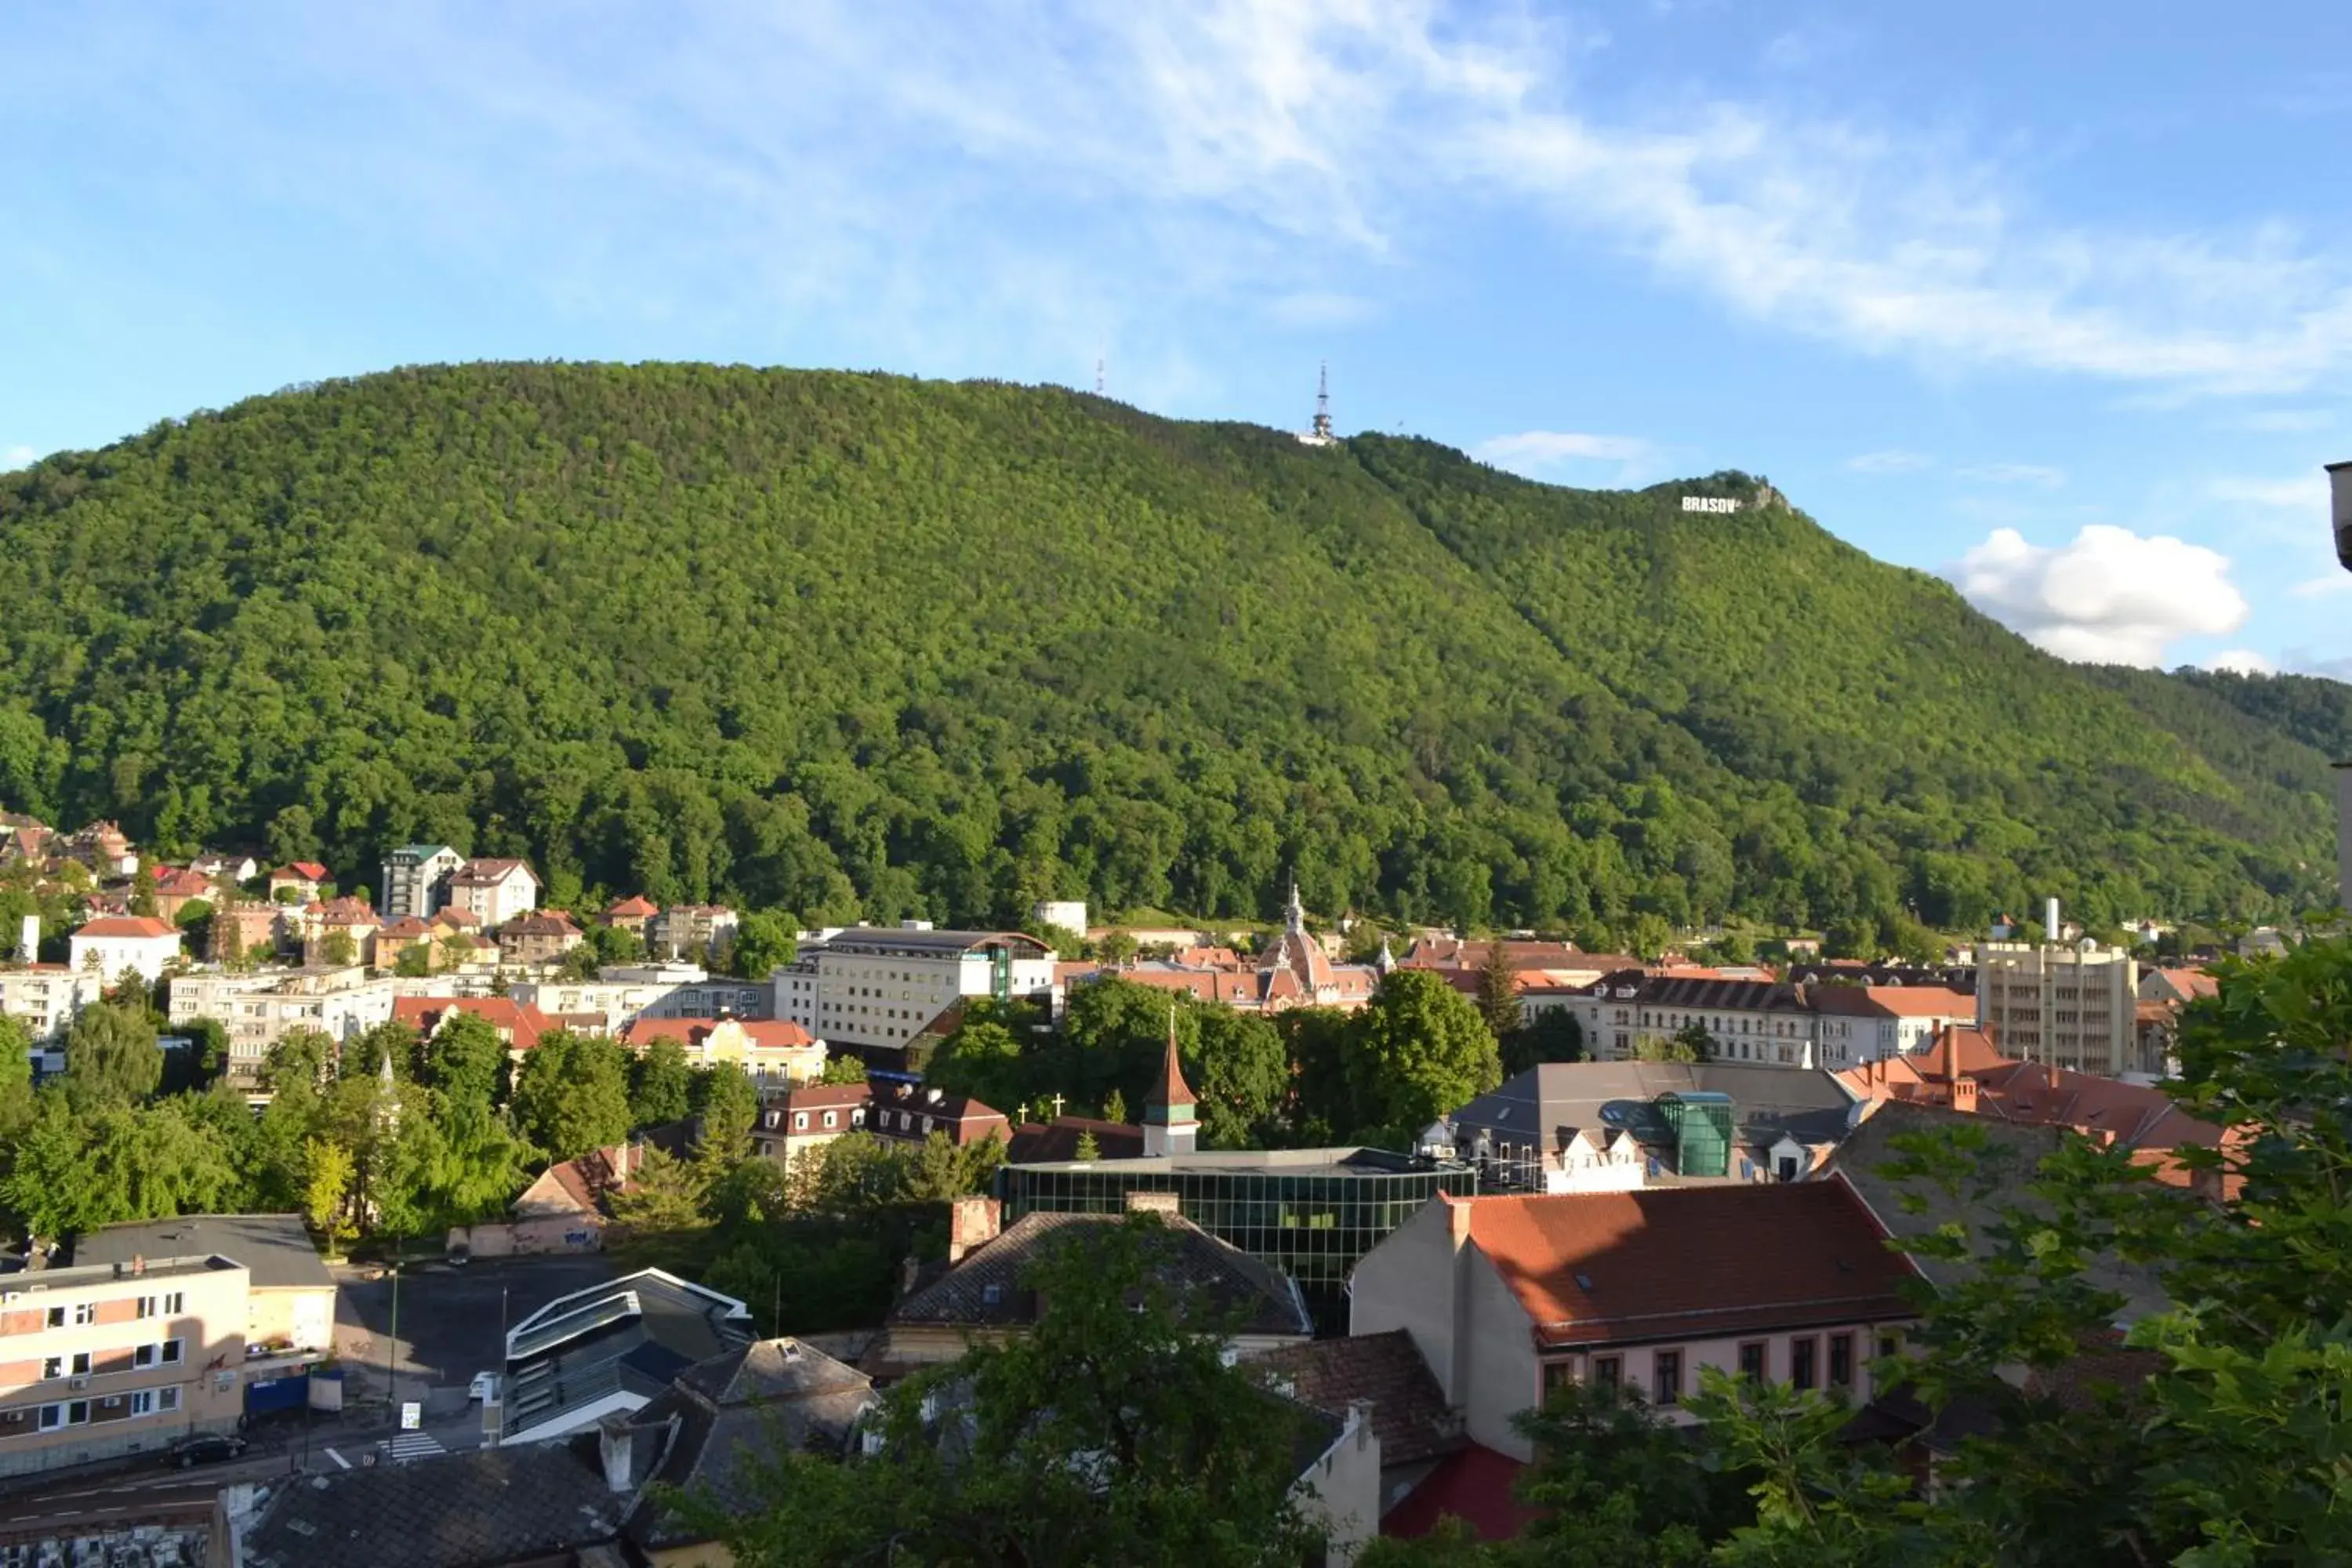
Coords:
2306,494
1893,460
2322,587
14,458
1542,454
2242,661
2035,474
2111,596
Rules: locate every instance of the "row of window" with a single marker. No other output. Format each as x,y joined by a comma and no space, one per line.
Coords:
1807,1368
75,1412
163,1352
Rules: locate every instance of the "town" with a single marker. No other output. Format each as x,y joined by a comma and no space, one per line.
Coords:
720,1136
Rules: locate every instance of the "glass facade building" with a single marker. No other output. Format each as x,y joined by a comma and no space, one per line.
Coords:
1311,1213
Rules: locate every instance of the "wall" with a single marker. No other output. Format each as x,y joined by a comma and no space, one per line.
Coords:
1409,1282
1639,1362
1341,1490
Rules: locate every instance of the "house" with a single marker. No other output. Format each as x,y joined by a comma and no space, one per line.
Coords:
1863,1023
631,914
417,879
236,870
1291,971
1384,1374
775,1050
494,891
807,1118
700,933
1507,1296
907,1112
340,930
519,1023
307,882
540,937
1573,1127
289,1298
608,1349
877,988
1059,1138
46,998
261,928
1769,1023
395,938
105,848
257,1010
177,887
983,1296
112,945
565,1208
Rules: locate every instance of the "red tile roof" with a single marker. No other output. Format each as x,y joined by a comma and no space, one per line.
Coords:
183,882
519,1022
637,906
1047,1142
780,1034
303,870
1691,1262
126,926
1475,1486
2192,982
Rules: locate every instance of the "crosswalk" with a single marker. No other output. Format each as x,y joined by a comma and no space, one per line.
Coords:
410,1445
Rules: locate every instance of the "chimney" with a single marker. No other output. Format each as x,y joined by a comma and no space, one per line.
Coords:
2050,931
28,939
1964,1094
909,1270
1458,1220
615,1440
971,1222
1152,1203
1360,1420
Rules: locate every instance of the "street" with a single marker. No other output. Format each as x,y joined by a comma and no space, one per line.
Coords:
452,1325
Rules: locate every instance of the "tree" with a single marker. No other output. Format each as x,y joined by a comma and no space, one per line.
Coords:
840,1067
1499,991
661,1084
204,1061
1552,1036
1417,1051
664,1195
764,943
327,1191
111,1056
1651,937
726,1105
981,1058
1186,1460
297,1058
1087,1149
1114,1107
337,950
1691,1043
1116,948
16,1077
573,1094
1239,1075
465,1060
416,961
194,915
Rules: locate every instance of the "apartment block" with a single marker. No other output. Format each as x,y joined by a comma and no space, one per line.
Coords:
878,986
2070,1006
259,1010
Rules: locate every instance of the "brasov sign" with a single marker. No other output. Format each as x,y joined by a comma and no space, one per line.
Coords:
1709,504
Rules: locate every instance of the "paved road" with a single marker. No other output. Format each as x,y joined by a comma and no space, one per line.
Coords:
452,1323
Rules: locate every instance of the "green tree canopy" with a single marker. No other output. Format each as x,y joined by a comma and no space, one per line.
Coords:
573,1094
1417,1051
661,1084
111,1056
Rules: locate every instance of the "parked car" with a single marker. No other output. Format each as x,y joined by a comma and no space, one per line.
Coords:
204,1449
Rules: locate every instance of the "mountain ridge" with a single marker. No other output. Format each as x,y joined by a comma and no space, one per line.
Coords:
857,645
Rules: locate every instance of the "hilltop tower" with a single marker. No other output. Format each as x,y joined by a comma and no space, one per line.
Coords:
1320,434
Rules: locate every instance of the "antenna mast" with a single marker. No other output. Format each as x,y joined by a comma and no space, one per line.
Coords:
1323,400
1099,375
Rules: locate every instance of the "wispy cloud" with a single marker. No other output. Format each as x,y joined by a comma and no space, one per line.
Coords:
1893,460
2110,597
2035,474
14,458
1543,454
2333,586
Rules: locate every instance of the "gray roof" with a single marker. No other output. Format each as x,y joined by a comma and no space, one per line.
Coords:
276,1248
933,942
1339,1161
1409,1415
1545,1102
989,1287
2011,1151
477,1509
736,1411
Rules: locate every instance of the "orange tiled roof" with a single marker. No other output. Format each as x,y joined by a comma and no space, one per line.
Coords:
519,1022
126,926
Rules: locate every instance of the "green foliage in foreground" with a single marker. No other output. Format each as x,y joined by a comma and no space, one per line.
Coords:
2233,1451
856,646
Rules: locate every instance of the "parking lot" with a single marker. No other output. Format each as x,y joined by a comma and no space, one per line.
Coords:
452,1321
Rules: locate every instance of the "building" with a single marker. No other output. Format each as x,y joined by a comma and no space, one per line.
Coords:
1507,1297
306,881
807,1118
699,933
2070,1006
1308,1212
607,1350
772,1051
1061,914
565,1209
494,891
340,930
106,1359
105,848
47,998
1863,1023
258,1010
289,1302
541,937
417,879
1291,971
1061,1139
876,987
519,1023
1632,1012
595,1498
909,1113
2178,987
177,887
260,930
622,992
982,1296
631,914
114,945
1383,1375
1578,1127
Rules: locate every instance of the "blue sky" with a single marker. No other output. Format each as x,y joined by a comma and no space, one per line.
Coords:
2054,300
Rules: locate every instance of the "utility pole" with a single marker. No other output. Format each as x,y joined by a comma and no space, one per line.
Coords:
392,1346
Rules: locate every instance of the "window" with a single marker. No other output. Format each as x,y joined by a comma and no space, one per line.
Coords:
56,1317
800,1121
142,1355
143,1402
167,1399
81,1363
1556,1377
55,1366
170,1351
1841,1361
1890,1344
1801,1362
85,1312
1608,1371
1751,1361
1666,1377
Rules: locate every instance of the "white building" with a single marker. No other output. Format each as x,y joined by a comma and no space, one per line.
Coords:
417,879
1865,1023
259,1010
624,992
1756,1021
1065,914
112,943
494,891
873,985
2064,1006
47,997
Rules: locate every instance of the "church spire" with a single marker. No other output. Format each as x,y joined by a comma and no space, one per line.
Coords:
1294,914
1169,1125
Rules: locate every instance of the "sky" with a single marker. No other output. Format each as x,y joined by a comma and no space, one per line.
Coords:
2054,301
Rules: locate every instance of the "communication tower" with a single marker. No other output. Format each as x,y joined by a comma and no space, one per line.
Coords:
1320,434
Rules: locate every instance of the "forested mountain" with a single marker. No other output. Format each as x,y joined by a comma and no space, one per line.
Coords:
854,645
